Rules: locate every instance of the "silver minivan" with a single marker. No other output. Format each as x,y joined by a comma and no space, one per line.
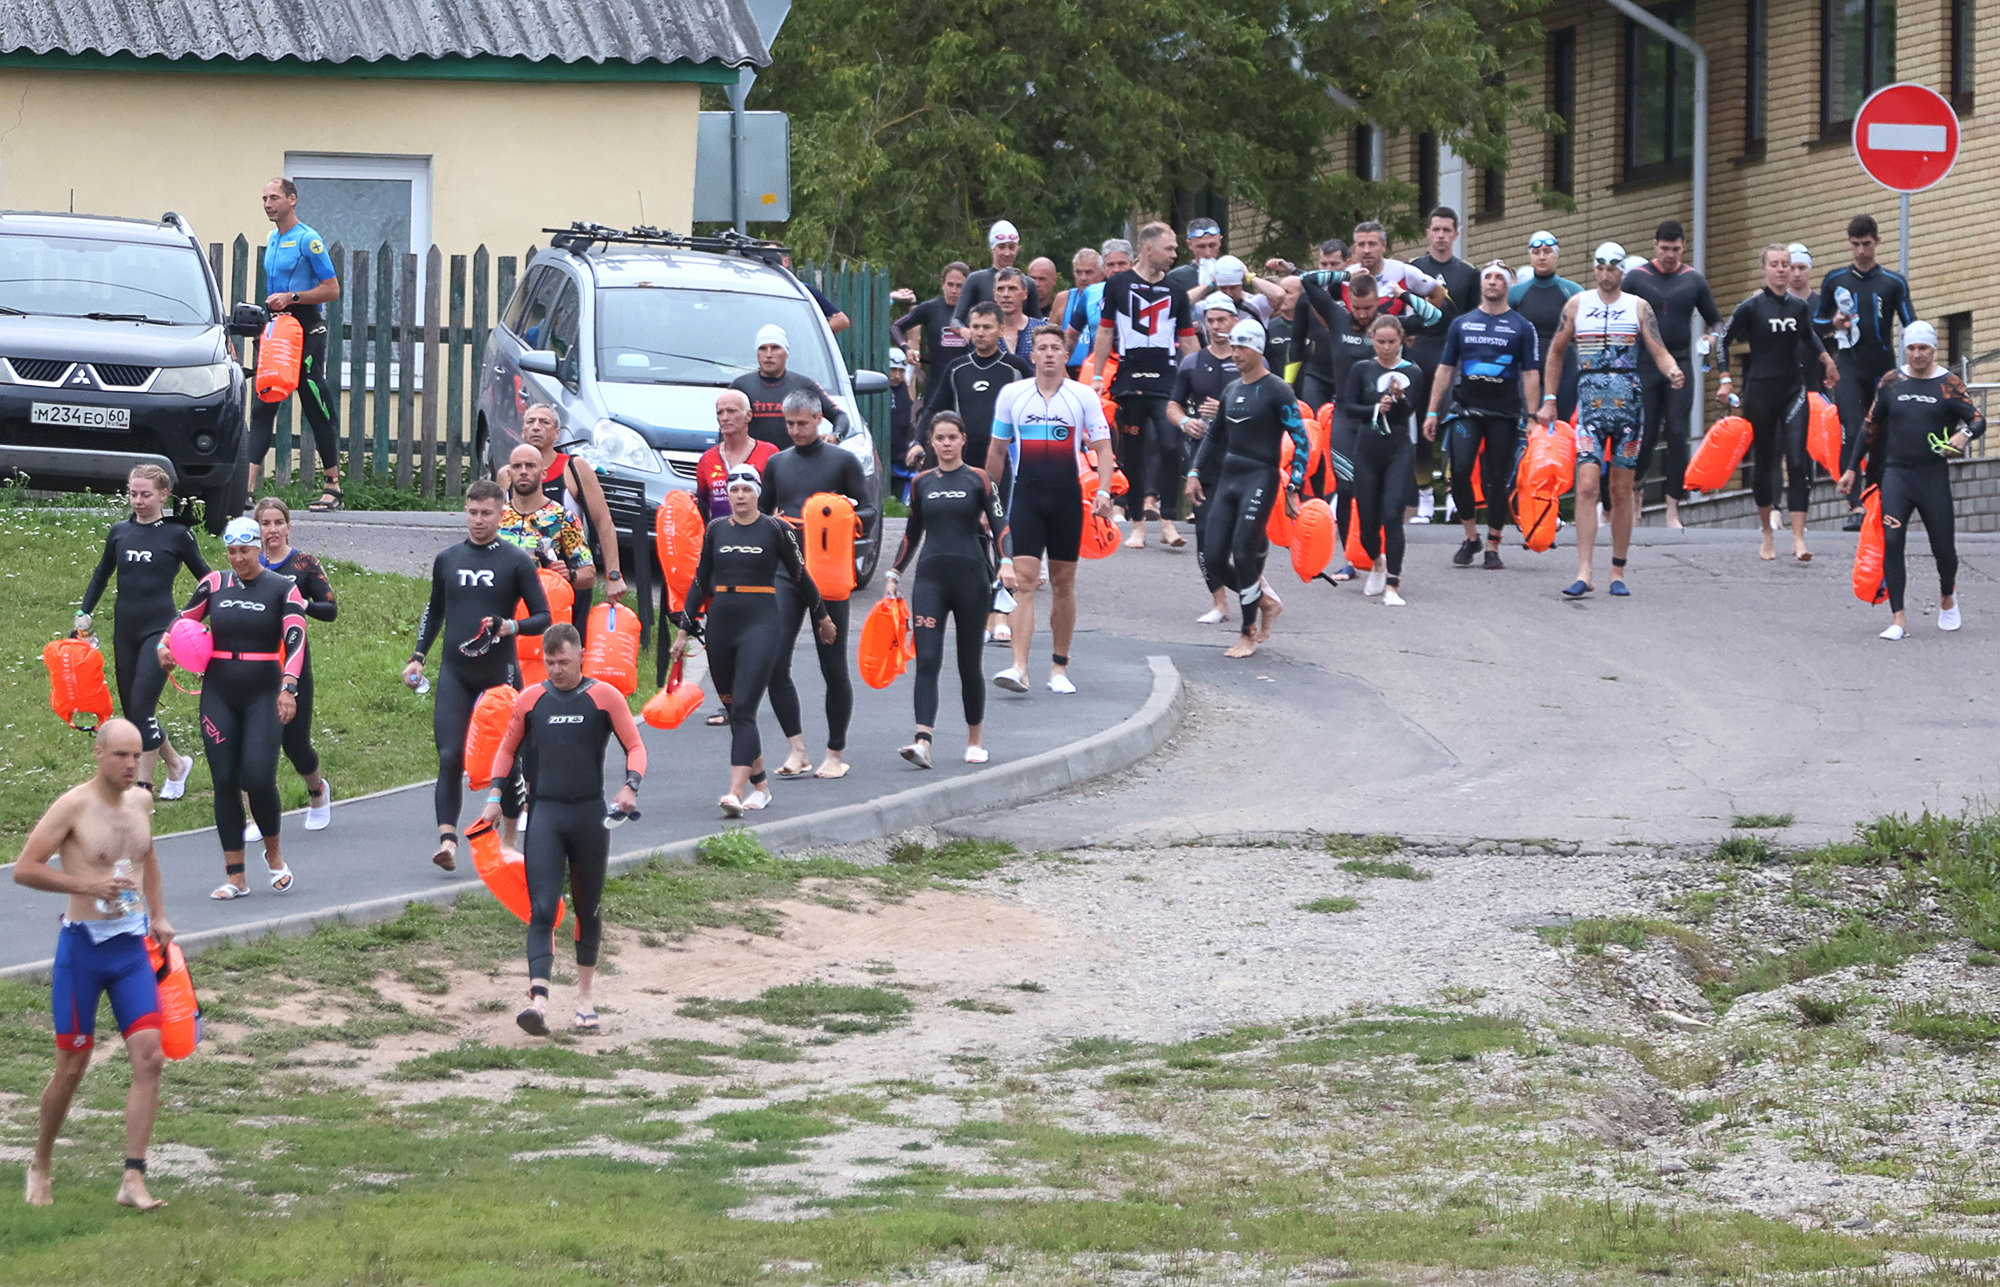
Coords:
630,336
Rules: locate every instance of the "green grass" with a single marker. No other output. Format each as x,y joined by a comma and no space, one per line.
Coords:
1746,851
1955,1030
371,731
365,492
1332,903
839,1008
1760,821
1426,1036
1592,935
1855,942
1819,1011
1354,845
1372,869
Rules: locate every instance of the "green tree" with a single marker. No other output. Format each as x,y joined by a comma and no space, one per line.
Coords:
915,123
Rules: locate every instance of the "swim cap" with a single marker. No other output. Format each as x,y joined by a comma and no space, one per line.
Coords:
746,476
1920,333
1609,252
1543,238
774,334
1229,271
1247,334
241,531
1217,303
1801,257
1498,266
1002,231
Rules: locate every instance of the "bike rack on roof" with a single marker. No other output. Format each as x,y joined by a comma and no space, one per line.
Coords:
581,235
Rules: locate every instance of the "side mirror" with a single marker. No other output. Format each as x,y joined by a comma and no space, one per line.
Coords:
539,362
247,319
866,382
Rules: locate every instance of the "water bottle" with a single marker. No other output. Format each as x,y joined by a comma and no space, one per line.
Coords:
419,685
129,902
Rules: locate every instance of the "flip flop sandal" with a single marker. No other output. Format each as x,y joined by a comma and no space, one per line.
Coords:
227,893
718,719
446,854
532,1022
586,1021
1178,543
281,879
844,767
1150,514
324,505
789,775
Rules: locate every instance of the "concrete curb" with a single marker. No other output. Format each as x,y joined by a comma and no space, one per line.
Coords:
1115,748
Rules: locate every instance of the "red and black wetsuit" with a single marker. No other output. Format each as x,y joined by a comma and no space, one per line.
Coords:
259,628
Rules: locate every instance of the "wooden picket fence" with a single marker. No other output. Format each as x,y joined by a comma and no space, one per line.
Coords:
390,355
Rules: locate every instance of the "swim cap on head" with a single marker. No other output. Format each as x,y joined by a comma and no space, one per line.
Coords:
774,334
1920,333
1001,231
1230,271
1248,334
746,476
1218,303
241,531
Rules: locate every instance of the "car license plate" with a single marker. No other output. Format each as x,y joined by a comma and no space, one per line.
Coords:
62,413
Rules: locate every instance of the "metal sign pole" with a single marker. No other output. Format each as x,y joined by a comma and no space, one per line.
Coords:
1903,239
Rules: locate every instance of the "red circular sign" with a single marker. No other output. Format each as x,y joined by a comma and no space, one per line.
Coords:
1906,137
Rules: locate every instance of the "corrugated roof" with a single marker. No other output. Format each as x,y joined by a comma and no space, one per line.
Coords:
338,31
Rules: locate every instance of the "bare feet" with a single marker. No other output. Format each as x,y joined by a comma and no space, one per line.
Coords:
796,765
1767,549
1267,616
41,1189
132,1193
1137,540
1244,646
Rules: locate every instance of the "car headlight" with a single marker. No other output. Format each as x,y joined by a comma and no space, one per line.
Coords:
193,381
613,445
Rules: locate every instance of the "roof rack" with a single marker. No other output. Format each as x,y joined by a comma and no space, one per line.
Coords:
581,235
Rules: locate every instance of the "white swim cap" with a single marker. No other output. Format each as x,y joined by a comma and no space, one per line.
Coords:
774,334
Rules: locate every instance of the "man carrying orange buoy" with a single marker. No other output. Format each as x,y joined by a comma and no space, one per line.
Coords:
102,835
300,275
568,721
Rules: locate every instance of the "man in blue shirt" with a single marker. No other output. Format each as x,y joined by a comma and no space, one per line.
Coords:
299,275
1491,368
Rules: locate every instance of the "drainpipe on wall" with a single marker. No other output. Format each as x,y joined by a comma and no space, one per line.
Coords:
1698,233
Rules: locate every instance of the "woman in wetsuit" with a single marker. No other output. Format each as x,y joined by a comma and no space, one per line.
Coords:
1921,420
732,606
146,553
248,694
1375,401
955,517
274,529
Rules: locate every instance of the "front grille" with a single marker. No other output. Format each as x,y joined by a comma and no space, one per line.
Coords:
627,503
113,376
41,370
683,468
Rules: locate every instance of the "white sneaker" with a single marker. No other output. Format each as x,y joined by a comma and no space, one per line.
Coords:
1061,684
176,787
1426,506
1390,599
1378,580
1948,618
251,835
975,755
320,816
1012,680
1893,633
1213,617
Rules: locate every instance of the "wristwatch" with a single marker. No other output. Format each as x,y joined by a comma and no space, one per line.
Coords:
291,688
295,299
614,576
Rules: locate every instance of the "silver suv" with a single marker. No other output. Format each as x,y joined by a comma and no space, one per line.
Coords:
630,335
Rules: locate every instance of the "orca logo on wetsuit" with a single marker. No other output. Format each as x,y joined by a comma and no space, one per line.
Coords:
471,576
946,495
740,549
139,556
1916,397
251,604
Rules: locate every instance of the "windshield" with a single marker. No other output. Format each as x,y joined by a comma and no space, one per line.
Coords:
74,276
661,335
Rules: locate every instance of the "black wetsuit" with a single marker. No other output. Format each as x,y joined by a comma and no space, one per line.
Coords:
970,386
941,343
955,517
1895,453
735,593
305,572
767,405
1382,453
1200,376
259,629
1426,347
145,557
1666,411
790,478
1541,301
568,730
1778,332
1247,439
1490,353
1876,300
470,584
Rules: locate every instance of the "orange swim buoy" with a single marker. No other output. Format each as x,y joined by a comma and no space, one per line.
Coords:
1278,527
675,701
1721,451
1870,553
180,1010
484,733
503,870
1823,433
830,529
885,650
1312,539
528,648
76,681
677,532
279,351
1100,535
1356,555
612,655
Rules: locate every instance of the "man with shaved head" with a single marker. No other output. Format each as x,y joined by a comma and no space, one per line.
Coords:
1042,272
95,844
734,446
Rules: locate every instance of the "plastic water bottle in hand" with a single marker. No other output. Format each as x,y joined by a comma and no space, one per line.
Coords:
129,902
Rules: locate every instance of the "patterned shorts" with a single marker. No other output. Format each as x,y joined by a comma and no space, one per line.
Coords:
1608,420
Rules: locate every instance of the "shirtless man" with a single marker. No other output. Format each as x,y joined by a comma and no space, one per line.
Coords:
102,947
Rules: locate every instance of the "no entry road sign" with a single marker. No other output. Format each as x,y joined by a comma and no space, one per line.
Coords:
1906,137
